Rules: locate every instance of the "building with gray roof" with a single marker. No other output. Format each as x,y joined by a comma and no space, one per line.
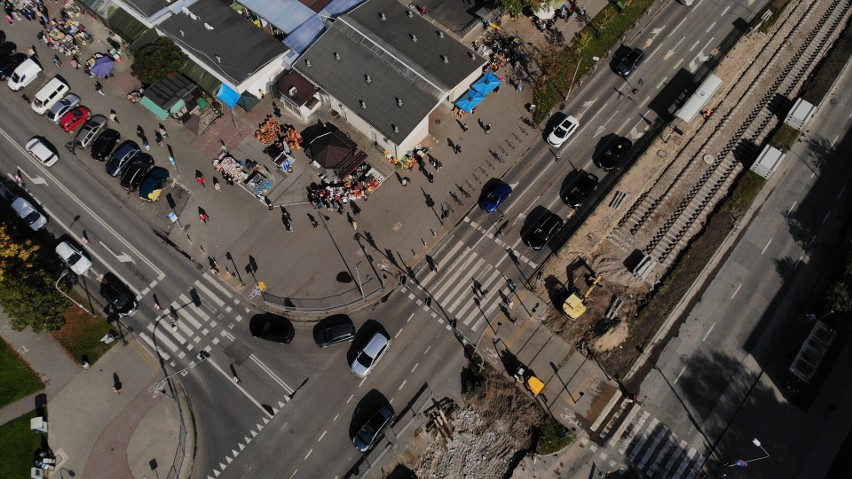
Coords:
385,68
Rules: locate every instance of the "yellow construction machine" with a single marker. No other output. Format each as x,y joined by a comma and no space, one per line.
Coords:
575,305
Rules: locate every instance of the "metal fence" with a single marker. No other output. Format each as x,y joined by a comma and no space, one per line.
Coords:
328,303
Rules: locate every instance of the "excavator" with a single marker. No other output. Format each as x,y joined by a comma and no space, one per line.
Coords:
575,305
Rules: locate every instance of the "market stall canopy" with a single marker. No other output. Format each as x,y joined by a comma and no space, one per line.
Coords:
228,95
469,100
545,12
168,95
333,150
486,84
103,67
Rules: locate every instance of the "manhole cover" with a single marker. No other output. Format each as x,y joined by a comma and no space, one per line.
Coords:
397,227
662,153
437,121
708,159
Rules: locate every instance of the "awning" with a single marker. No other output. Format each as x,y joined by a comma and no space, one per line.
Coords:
127,27
201,77
486,84
469,100
248,101
228,95
154,108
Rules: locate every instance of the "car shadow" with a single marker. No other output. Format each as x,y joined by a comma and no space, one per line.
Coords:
619,53
570,179
256,323
551,124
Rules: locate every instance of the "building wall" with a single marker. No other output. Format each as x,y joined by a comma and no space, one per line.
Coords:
263,78
464,86
418,134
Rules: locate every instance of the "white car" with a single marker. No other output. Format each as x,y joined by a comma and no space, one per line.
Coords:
563,131
367,358
26,212
42,150
73,257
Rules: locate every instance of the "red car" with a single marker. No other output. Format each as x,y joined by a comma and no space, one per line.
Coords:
75,118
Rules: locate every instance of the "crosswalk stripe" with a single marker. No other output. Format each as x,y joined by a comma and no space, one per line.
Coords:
161,339
444,259
680,470
624,424
659,434
464,295
643,438
182,311
452,278
663,454
183,327
209,293
217,285
486,285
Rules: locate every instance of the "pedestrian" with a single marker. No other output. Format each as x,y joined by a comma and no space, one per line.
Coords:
56,61
200,179
9,19
159,139
117,388
145,143
31,52
140,132
405,180
511,304
519,85
484,293
261,93
465,127
236,379
355,225
203,217
487,128
430,177
268,202
216,184
113,116
75,63
98,87
163,131
457,148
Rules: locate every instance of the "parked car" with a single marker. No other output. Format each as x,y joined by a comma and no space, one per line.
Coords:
73,257
25,210
333,330
74,119
366,359
90,131
24,74
120,298
104,144
7,48
135,171
614,154
153,183
629,62
271,327
63,106
580,189
373,428
8,64
543,230
42,150
563,131
494,195
121,157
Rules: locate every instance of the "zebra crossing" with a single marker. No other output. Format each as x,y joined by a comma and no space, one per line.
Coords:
649,445
456,290
195,320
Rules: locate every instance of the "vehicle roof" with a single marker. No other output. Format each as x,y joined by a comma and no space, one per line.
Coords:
377,342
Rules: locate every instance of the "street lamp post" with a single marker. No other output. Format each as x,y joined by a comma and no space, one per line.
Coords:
746,462
90,311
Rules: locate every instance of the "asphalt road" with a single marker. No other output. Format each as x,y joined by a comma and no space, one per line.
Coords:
316,424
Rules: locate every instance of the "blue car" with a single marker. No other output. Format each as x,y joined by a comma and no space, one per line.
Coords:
494,196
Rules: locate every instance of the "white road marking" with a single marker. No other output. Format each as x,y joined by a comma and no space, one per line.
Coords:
237,385
725,11
767,245
661,83
841,191
677,65
679,374
708,43
427,349
402,385
322,436
708,332
826,217
678,26
271,374
350,398
308,454
335,417
409,318
626,121
415,367
834,140
362,382
737,290
653,53
694,45
709,28
294,473
397,334
792,206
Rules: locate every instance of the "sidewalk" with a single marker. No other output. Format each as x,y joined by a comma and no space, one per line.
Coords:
95,432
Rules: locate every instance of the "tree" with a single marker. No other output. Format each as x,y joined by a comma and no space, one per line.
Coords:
515,7
839,297
157,60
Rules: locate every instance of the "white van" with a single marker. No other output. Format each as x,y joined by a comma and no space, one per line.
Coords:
49,94
25,74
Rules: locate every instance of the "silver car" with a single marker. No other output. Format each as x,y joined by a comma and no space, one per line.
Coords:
63,106
90,130
28,213
367,358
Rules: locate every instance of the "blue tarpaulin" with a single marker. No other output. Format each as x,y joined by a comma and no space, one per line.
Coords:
103,67
486,84
228,95
469,100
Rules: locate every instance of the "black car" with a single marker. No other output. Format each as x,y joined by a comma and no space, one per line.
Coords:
544,228
119,296
7,48
104,144
272,328
8,64
120,158
614,154
629,62
372,429
135,171
583,186
333,330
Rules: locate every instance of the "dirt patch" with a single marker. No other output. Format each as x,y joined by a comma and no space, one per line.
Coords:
489,430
